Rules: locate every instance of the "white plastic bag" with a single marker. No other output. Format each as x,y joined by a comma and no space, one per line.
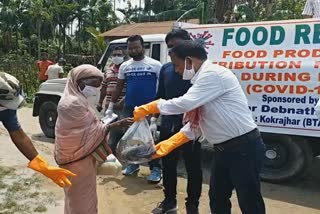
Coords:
109,119
110,167
137,144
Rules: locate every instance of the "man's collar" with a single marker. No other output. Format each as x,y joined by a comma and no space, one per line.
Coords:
195,77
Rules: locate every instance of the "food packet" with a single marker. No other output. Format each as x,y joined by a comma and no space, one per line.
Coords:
137,144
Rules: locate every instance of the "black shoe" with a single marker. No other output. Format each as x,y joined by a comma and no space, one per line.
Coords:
192,209
166,207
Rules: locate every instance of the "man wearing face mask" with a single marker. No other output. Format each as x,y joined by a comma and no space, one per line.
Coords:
216,108
108,86
140,74
172,85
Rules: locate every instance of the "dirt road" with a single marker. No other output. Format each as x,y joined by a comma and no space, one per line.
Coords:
129,195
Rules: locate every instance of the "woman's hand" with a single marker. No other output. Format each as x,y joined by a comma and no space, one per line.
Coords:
124,123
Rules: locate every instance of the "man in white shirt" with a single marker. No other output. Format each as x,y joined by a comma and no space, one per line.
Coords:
216,108
141,75
311,9
56,71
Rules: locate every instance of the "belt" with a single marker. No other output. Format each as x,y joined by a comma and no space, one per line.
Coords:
237,141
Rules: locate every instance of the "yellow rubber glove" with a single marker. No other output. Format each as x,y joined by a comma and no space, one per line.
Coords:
144,110
165,147
57,174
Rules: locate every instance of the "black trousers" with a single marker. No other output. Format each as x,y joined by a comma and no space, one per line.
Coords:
238,169
191,153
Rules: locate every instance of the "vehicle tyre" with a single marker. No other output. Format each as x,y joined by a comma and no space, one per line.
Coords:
48,117
286,158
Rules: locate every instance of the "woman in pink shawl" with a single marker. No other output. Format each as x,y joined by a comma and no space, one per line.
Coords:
78,133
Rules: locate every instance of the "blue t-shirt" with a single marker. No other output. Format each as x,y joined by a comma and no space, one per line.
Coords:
171,85
141,79
9,119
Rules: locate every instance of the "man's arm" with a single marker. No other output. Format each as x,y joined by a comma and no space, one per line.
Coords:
185,135
19,138
207,87
61,72
24,144
117,92
38,65
103,93
120,84
161,88
47,71
119,105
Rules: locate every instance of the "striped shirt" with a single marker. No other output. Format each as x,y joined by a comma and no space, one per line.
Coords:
312,8
110,82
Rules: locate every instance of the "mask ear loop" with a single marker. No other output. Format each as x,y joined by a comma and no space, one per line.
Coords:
185,65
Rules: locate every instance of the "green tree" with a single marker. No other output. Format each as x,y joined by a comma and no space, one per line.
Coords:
98,42
63,15
38,12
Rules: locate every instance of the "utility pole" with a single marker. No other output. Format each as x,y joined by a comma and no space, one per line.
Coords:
139,10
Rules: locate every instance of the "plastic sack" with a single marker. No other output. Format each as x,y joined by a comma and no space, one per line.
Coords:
111,166
137,144
109,119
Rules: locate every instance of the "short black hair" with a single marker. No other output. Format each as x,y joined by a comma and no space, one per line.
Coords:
135,38
189,48
118,48
61,60
178,33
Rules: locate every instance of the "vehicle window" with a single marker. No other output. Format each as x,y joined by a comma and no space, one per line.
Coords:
156,52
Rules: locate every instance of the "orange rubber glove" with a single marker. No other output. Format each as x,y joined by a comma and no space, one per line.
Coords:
144,110
57,174
165,147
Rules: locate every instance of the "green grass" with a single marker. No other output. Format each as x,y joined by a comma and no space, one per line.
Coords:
3,185
40,209
15,187
34,195
9,204
5,171
29,105
18,194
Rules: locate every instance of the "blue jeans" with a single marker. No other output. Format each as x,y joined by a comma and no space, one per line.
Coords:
238,169
128,112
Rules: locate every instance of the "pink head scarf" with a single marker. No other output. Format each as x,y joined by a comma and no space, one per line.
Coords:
78,130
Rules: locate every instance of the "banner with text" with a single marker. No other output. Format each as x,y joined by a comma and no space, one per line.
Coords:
278,66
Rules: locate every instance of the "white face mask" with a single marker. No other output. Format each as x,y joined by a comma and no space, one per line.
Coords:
89,91
117,60
188,74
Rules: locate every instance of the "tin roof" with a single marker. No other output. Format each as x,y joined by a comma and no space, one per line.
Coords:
127,30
